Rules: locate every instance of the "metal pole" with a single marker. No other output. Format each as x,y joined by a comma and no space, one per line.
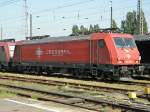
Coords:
30,25
111,15
26,18
78,15
1,32
140,17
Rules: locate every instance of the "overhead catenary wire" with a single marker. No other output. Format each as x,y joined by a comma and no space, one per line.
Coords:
64,6
105,11
89,14
69,18
61,22
116,9
8,2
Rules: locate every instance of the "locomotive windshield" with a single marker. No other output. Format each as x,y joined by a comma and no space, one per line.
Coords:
119,42
129,42
124,42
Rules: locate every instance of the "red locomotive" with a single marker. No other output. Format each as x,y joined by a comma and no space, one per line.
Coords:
99,55
6,53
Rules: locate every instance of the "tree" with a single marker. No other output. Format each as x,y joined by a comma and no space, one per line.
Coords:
96,28
114,25
75,30
145,27
131,25
123,25
91,29
82,30
86,31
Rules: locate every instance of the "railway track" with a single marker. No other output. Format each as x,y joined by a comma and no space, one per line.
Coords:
125,82
68,83
77,85
90,103
135,81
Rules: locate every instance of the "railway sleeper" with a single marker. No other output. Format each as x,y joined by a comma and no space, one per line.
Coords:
72,100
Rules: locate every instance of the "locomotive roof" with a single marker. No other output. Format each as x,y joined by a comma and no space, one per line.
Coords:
142,37
57,39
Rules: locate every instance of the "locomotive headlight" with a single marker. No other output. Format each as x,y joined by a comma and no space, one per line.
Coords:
139,58
120,61
137,61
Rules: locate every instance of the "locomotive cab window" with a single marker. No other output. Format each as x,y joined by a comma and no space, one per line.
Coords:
119,42
101,43
124,42
130,43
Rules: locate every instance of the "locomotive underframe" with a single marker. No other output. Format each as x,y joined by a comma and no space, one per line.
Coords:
101,71
4,66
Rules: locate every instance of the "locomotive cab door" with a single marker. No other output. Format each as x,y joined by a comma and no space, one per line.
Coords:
103,52
93,52
99,52
93,57
17,54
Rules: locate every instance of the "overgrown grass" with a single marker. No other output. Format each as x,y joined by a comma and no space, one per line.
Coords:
5,94
34,97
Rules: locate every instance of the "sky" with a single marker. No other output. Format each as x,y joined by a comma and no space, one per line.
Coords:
56,17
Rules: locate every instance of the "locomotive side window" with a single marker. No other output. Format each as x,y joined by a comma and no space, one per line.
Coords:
2,49
101,43
11,50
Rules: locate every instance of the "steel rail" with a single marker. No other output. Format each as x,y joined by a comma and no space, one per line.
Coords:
70,84
98,101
